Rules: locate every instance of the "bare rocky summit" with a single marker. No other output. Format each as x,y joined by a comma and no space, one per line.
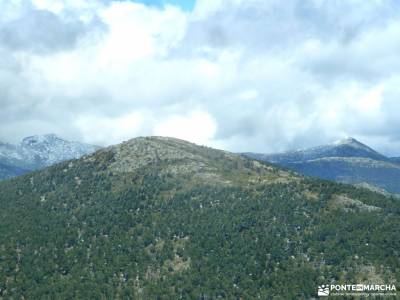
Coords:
178,157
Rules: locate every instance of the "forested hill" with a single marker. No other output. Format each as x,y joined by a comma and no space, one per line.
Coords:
161,218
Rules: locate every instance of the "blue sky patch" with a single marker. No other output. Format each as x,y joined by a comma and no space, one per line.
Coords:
187,5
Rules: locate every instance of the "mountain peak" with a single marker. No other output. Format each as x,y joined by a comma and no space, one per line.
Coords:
141,151
358,148
348,147
177,157
39,151
346,160
349,141
156,146
34,139
156,140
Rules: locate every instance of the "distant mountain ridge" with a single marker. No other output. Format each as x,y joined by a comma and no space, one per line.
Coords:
395,159
348,147
37,152
348,161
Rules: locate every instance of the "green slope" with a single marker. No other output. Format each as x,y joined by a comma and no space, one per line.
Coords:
160,218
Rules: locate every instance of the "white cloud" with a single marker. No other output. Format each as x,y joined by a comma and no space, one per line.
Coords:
258,75
106,130
196,126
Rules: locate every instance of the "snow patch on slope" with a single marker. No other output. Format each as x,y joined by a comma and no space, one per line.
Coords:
41,151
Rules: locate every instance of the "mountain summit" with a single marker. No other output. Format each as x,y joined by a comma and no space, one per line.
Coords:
37,152
347,160
348,147
181,157
351,147
162,218
46,138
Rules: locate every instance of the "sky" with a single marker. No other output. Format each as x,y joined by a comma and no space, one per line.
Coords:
241,75
187,5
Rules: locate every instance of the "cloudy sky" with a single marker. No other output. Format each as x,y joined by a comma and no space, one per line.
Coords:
243,75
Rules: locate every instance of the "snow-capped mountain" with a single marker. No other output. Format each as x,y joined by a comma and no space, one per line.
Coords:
348,147
39,151
348,161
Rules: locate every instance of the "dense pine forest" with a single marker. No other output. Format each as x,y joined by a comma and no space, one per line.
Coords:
159,218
